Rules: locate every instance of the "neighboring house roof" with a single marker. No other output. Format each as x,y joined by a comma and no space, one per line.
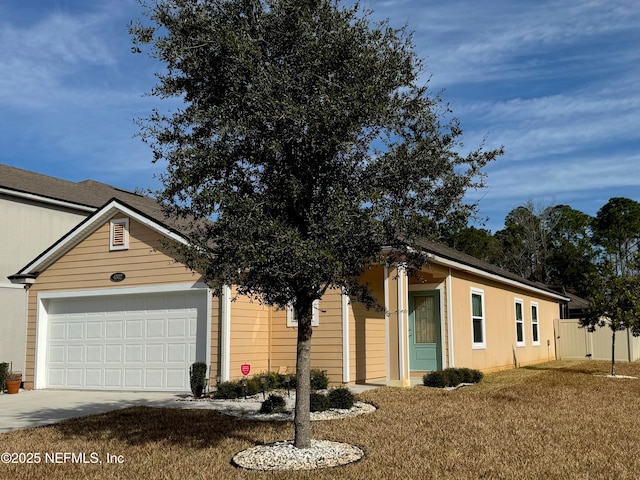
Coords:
86,196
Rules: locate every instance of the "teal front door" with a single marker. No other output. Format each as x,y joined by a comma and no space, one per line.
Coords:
424,331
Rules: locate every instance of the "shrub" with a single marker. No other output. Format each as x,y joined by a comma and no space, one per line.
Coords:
4,373
469,375
341,398
318,402
229,390
198,378
319,380
451,377
273,404
437,379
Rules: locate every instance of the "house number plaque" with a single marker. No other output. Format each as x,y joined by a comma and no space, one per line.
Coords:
117,277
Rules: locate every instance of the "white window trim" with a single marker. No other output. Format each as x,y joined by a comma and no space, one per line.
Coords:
292,321
515,314
112,224
478,345
537,322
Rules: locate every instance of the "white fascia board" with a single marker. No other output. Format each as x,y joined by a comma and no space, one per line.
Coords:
87,227
492,276
47,200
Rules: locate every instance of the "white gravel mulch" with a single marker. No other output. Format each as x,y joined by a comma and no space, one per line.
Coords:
284,456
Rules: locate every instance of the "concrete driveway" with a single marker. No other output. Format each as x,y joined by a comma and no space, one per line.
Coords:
42,407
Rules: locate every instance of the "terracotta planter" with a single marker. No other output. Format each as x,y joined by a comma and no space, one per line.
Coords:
13,386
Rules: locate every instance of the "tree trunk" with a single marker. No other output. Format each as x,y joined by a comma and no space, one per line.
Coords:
302,420
613,352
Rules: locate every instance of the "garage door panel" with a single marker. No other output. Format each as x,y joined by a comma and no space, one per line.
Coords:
134,353
154,378
75,377
113,378
125,342
154,353
113,329
93,378
133,378
113,354
93,354
75,354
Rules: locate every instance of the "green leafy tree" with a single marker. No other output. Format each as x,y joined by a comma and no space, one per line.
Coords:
617,230
572,254
308,140
614,302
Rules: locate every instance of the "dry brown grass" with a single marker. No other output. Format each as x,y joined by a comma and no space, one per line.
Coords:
557,420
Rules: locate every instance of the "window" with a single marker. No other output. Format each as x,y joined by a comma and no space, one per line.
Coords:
519,324
292,320
119,234
477,318
535,326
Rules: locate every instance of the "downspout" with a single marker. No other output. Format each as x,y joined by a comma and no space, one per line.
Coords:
450,318
346,367
225,333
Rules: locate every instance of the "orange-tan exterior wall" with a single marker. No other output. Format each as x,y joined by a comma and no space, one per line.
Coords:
501,351
89,265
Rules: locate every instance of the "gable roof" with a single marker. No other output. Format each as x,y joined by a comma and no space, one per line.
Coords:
84,229
450,257
104,200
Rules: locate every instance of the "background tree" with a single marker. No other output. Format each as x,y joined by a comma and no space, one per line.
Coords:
614,302
572,254
525,242
617,230
308,139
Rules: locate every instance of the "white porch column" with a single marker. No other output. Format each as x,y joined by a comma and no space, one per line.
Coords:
403,334
386,320
346,366
450,318
225,333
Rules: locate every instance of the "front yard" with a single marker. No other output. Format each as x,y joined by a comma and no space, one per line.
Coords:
557,420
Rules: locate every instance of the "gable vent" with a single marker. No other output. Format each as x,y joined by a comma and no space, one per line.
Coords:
119,234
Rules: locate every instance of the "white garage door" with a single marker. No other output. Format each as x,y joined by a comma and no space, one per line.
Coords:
125,342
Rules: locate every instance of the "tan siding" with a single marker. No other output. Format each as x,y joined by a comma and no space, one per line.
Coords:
368,335
249,336
89,265
501,351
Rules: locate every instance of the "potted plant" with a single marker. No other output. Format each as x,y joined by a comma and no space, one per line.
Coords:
13,382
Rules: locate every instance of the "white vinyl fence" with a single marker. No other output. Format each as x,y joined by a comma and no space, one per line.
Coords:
573,342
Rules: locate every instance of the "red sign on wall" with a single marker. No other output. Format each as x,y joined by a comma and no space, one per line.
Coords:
245,368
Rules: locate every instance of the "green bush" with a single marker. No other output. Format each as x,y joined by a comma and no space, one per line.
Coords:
229,390
4,373
451,377
319,380
437,379
318,402
273,404
198,378
340,398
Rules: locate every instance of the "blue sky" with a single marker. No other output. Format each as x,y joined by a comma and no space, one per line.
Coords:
556,82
